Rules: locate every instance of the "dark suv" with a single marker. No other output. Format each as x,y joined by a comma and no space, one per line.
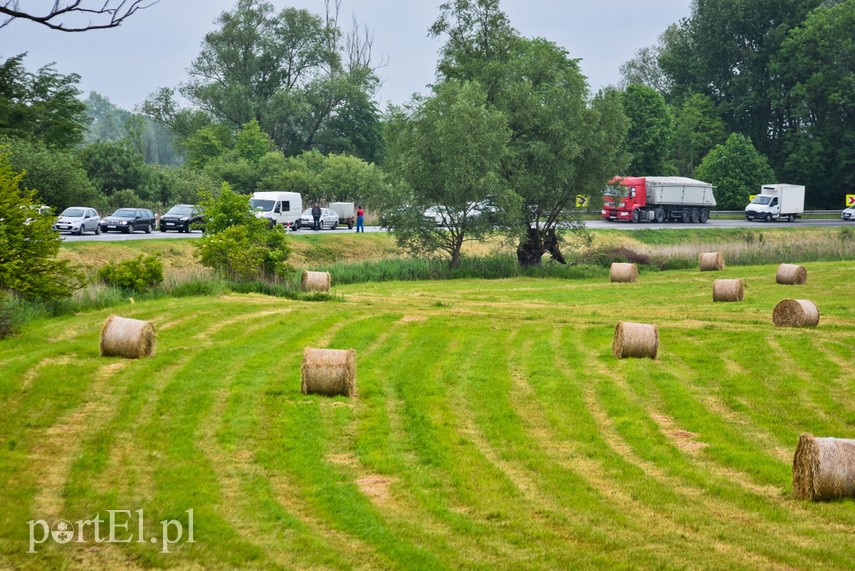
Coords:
129,220
180,217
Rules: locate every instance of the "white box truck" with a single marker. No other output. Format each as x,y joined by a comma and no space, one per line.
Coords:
346,213
776,202
283,208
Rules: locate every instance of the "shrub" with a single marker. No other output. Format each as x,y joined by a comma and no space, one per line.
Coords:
238,245
141,274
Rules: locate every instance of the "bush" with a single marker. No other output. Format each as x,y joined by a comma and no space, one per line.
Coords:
238,245
142,274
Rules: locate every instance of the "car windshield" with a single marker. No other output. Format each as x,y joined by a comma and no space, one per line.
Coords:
124,213
181,210
72,213
615,190
762,199
261,204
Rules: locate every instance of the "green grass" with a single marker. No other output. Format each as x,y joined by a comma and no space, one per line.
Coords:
493,428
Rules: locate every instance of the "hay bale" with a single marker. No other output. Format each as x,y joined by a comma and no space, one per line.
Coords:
329,372
623,273
824,468
728,290
791,274
635,340
130,338
795,313
315,281
711,262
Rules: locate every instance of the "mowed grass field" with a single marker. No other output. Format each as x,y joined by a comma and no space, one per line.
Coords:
493,428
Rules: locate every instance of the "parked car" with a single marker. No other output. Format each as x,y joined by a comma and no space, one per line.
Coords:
77,220
848,214
129,220
180,217
329,219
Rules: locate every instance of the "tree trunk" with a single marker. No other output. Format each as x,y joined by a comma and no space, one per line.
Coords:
535,244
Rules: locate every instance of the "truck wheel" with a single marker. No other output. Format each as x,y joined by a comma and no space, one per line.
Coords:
686,216
705,215
696,215
791,217
660,215
768,217
350,225
636,216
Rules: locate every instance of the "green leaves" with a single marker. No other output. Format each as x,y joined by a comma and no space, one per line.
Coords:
735,170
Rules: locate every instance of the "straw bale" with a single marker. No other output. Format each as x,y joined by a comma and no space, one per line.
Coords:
329,372
824,468
728,290
316,281
711,261
795,313
130,338
791,274
623,273
635,340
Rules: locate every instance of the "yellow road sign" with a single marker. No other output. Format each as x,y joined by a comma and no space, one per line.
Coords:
850,200
581,201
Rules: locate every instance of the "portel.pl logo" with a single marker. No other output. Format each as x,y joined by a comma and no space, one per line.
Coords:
119,527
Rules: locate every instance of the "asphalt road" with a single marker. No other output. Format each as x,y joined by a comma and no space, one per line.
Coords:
593,224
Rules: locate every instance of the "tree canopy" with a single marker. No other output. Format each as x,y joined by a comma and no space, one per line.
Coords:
75,15
736,170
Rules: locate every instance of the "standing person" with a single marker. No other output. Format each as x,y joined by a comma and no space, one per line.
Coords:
316,215
360,219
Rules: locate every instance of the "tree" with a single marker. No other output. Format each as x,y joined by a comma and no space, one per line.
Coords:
58,174
40,106
651,125
698,128
817,79
307,85
736,170
562,144
724,50
447,152
76,15
114,166
28,244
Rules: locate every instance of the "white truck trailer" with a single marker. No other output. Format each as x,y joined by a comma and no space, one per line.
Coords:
346,213
777,202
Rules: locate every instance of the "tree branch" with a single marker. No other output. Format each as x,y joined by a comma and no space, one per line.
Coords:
107,13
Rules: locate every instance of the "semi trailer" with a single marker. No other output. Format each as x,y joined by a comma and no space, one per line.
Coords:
658,199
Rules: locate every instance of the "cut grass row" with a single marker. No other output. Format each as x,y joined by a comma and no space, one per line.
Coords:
493,428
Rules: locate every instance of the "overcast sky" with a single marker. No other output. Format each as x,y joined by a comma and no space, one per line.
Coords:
154,47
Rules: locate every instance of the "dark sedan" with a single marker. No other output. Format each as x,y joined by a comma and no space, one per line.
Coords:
181,218
129,220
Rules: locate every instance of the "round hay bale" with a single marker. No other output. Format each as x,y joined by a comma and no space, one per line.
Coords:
635,340
795,313
791,274
711,262
623,273
728,290
130,338
824,468
315,281
329,372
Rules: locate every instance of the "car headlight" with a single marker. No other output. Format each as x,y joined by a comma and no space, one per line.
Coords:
124,222
184,219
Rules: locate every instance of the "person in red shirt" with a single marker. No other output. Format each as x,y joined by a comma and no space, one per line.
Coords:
360,220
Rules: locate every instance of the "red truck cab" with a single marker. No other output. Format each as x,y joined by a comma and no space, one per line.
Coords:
624,195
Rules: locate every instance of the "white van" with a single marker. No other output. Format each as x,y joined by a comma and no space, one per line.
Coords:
282,208
777,202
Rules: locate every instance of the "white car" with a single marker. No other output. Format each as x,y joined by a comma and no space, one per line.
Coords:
329,219
77,220
848,214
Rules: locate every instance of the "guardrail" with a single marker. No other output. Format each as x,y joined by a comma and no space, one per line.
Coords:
742,212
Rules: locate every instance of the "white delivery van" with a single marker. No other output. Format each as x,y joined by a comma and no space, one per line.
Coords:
777,201
283,208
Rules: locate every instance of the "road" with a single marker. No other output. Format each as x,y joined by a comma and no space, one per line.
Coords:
592,224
